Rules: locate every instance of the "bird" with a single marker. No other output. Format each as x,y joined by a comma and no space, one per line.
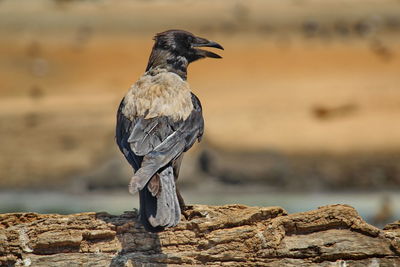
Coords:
158,120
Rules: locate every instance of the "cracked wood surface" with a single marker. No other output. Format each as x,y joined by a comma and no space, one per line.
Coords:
232,235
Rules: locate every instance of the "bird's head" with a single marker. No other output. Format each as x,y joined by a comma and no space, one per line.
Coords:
176,49
185,44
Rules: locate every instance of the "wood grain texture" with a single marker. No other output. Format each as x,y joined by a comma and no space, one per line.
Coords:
232,235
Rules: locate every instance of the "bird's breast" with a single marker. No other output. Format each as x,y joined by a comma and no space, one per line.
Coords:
159,94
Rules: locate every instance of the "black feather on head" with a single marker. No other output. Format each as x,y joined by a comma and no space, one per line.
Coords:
175,49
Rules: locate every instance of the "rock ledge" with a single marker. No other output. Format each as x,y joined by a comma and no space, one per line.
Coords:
232,235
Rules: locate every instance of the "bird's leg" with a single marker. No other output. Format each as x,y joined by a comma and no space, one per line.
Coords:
182,204
180,200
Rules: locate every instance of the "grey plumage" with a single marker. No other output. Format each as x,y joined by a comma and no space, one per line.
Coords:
168,210
158,120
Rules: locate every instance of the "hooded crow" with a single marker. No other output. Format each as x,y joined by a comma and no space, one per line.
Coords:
157,121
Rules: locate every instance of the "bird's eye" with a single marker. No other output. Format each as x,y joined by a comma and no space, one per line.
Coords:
190,39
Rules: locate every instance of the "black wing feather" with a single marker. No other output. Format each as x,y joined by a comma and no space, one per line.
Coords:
122,134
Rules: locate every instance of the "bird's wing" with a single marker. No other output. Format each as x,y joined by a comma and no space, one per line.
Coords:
155,142
194,124
122,133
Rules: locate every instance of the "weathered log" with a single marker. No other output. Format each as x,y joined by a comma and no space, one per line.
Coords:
232,235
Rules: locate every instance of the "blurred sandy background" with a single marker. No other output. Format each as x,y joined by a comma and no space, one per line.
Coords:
303,110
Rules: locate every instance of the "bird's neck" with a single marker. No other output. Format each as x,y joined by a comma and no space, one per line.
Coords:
164,59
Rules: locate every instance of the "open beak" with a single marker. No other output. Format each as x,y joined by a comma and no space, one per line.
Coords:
201,42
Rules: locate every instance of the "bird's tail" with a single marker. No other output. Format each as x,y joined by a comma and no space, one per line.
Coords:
159,205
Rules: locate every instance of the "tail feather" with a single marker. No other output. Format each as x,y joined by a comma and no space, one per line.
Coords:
148,207
161,210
